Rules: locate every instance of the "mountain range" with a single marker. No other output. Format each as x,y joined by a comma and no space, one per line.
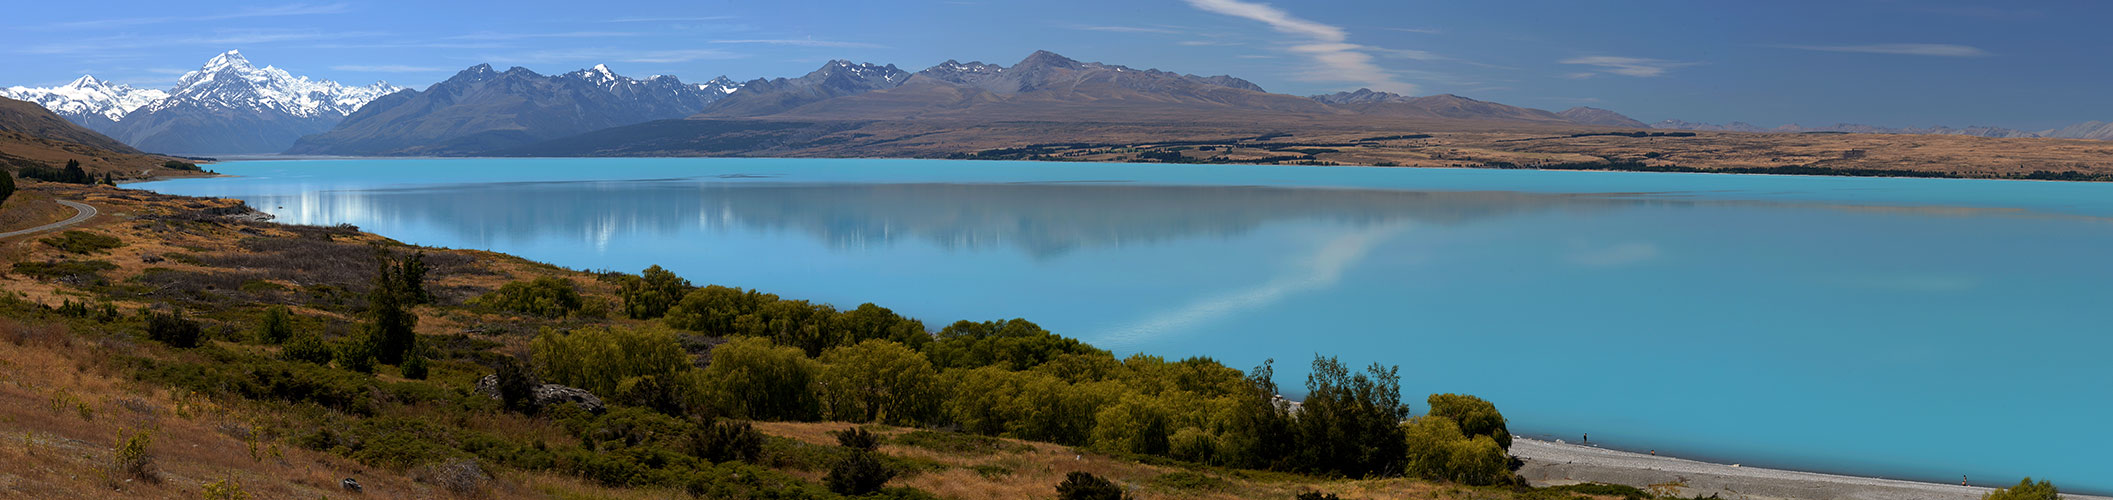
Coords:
2093,130
226,106
230,106
480,109
31,135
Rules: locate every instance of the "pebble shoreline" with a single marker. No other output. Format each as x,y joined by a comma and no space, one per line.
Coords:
1553,463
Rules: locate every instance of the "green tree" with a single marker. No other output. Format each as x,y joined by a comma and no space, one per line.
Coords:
713,309
1137,424
1258,433
879,381
1015,344
414,366
1351,424
75,175
650,294
601,358
1437,449
548,297
399,285
1475,416
2025,490
870,322
7,185
752,378
276,326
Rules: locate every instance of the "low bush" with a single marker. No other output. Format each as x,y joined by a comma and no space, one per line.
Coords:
83,242
64,269
858,474
132,459
307,347
276,326
726,441
173,329
1085,486
2025,490
1186,480
955,443
546,297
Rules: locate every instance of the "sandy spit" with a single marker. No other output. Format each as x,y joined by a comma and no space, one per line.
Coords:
1552,463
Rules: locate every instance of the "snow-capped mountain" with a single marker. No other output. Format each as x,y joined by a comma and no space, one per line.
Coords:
230,106
229,81
480,109
92,103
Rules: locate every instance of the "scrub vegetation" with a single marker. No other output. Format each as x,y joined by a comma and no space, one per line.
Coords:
421,372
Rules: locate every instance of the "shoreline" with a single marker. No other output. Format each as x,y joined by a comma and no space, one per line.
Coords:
1555,463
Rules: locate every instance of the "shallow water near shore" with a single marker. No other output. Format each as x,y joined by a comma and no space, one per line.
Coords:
1904,328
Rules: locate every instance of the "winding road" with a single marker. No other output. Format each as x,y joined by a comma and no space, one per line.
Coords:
85,212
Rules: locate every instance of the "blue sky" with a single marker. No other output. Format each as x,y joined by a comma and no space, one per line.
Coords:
1896,63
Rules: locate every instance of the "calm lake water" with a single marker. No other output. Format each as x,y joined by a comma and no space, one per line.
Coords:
1907,328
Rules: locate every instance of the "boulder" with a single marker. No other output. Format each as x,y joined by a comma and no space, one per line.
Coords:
546,394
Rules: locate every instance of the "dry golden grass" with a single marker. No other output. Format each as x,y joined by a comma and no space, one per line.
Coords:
1036,469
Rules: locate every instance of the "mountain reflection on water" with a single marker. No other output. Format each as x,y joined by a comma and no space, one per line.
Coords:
1041,219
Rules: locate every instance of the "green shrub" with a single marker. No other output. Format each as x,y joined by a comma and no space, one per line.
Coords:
859,473
650,294
173,329
83,242
7,186
546,297
225,489
2025,490
601,358
132,459
955,443
1437,449
276,326
356,353
1084,486
308,347
879,381
180,165
726,440
1475,416
1186,480
751,378
414,366
857,438
64,269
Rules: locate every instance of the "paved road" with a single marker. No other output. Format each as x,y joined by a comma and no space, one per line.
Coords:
86,212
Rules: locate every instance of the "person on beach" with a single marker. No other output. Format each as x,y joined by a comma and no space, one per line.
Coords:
1587,438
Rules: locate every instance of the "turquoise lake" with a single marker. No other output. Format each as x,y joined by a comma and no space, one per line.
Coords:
1904,328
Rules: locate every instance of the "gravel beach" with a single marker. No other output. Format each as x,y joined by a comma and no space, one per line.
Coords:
1555,463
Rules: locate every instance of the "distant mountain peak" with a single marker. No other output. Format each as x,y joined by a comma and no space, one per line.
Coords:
1588,115
1044,58
85,81
231,59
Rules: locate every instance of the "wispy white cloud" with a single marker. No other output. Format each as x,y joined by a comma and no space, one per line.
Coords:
524,36
807,42
603,55
298,9
1324,269
1626,66
696,19
1420,31
676,56
218,40
1326,45
388,68
1902,49
1131,29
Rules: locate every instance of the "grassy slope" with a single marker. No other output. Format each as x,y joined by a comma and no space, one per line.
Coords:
69,386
